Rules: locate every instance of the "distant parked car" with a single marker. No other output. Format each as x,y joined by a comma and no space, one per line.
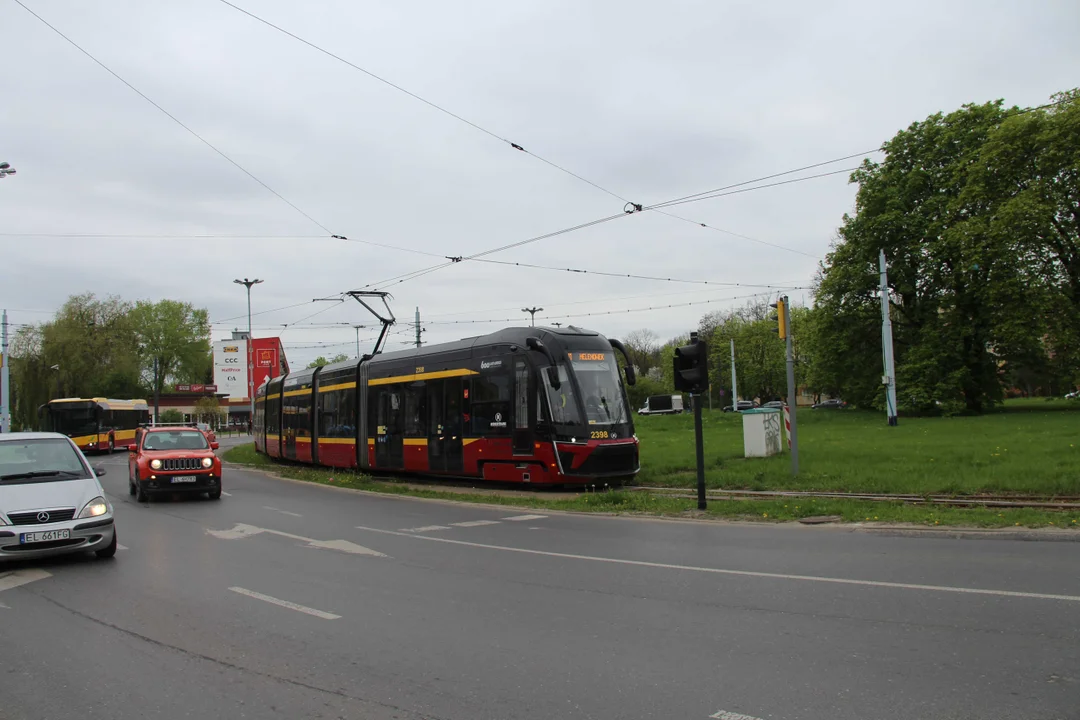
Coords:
207,431
1074,395
743,405
775,404
835,404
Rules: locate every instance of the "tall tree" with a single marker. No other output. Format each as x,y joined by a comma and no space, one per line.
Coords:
320,361
174,339
977,213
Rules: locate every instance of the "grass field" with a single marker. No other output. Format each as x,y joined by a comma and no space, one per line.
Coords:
624,501
1031,447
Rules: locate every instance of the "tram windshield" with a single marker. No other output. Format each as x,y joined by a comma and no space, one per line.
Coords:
598,377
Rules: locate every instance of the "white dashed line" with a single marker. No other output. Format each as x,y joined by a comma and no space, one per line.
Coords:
475,523
725,715
523,518
740,573
226,494
426,528
286,604
122,547
283,512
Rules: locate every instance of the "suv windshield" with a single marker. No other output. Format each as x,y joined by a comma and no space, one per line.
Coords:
39,460
175,440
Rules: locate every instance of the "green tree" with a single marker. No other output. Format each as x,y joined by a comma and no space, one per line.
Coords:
320,361
173,339
207,410
977,213
172,415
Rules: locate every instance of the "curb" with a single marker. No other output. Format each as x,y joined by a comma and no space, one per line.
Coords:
961,533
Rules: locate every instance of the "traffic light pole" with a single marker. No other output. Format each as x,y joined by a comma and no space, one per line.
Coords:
701,504
794,431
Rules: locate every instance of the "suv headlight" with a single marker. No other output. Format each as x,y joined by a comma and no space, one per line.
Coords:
155,464
208,462
94,508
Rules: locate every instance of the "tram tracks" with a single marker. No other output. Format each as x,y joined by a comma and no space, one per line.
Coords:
1060,502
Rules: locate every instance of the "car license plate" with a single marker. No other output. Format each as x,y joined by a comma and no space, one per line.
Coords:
44,536
184,479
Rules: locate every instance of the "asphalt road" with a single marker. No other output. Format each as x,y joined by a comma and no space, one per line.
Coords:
286,600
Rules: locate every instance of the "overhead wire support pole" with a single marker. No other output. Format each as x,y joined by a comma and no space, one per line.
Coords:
791,392
5,385
417,326
250,358
889,378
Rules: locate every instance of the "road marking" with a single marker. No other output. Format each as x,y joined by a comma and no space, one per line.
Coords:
15,578
286,604
725,715
240,531
475,523
522,518
226,494
426,528
742,573
283,512
122,547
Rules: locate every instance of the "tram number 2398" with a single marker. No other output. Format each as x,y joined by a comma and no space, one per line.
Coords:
599,434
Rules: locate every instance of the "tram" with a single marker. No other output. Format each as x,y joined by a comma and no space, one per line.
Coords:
544,406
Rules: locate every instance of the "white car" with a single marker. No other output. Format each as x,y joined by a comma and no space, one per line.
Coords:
51,502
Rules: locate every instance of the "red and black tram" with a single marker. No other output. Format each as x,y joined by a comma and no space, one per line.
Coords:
530,405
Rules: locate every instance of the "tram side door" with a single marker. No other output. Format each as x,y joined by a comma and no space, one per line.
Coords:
524,409
445,426
390,433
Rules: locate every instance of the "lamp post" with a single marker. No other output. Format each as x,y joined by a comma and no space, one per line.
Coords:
532,313
251,368
5,170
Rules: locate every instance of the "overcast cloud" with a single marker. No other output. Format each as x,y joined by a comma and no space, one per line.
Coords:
651,100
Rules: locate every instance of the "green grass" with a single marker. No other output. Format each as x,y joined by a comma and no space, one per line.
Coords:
631,502
1032,447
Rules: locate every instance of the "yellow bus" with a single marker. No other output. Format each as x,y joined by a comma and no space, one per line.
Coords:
96,423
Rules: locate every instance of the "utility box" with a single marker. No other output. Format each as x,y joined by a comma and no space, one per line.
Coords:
762,432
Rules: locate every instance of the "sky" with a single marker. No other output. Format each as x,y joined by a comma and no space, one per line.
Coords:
649,101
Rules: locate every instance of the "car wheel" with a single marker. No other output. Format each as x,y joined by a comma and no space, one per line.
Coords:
110,550
214,494
131,486
140,492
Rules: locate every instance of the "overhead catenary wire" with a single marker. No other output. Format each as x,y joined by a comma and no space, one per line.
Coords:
172,117
429,103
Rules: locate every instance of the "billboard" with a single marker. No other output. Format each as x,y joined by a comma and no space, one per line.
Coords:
230,368
268,357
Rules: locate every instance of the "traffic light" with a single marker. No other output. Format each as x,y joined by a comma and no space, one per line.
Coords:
780,318
692,366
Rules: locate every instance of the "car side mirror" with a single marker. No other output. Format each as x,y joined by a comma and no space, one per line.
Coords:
99,471
214,446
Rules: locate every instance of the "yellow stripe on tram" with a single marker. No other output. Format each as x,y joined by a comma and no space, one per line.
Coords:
460,372
339,386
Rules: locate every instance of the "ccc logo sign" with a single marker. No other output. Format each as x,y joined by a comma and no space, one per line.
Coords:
231,361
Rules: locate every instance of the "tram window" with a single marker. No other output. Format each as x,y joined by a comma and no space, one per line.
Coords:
562,402
491,405
452,411
414,410
521,395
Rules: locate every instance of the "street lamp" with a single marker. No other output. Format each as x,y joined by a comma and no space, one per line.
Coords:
5,170
57,369
251,366
532,312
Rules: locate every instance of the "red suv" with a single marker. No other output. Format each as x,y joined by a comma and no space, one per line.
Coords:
169,459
